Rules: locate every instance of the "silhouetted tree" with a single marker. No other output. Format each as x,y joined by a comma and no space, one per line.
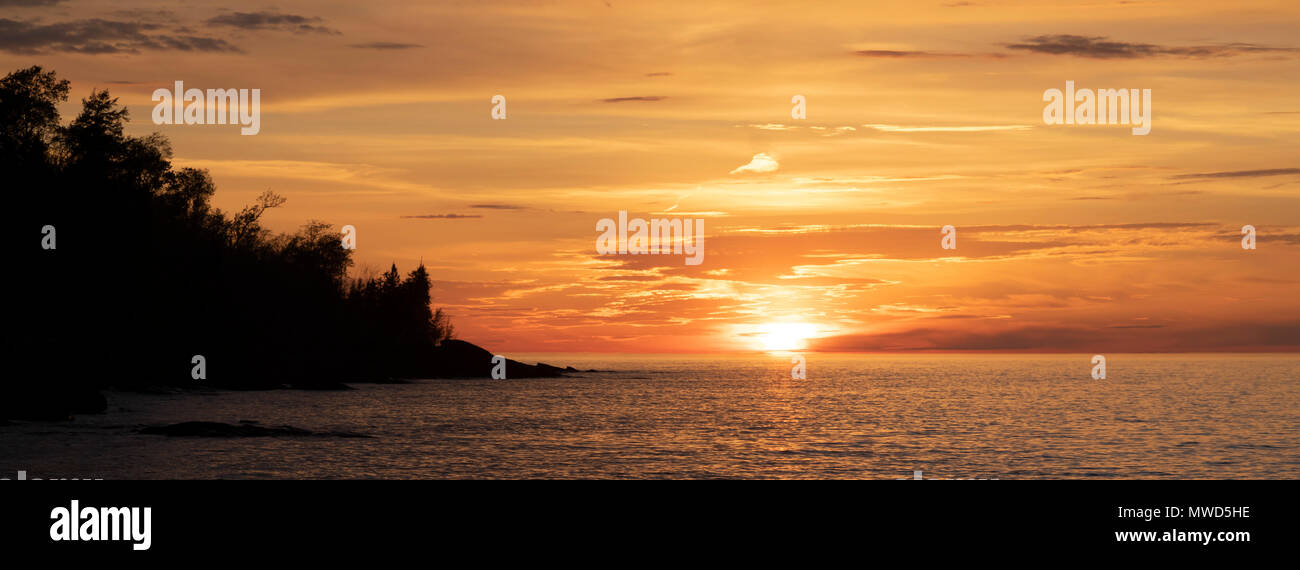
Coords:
147,273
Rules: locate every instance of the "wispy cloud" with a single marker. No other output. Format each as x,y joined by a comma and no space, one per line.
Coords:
272,21
949,129
98,36
385,46
918,54
647,98
1238,174
821,130
442,216
1099,47
630,278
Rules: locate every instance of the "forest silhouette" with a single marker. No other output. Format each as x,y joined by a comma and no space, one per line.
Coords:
146,273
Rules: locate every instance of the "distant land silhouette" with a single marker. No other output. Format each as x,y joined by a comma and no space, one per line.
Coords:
146,273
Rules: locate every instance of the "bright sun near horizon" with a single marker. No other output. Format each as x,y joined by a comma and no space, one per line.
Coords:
785,336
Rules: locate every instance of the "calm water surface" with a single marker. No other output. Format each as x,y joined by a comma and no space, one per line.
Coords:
856,416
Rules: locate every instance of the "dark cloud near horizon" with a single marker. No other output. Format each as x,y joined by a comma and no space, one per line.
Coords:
891,53
385,46
272,21
1090,227
1099,47
1084,338
498,206
1272,235
98,36
905,54
921,54
648,98
443,216
1237,174
27,3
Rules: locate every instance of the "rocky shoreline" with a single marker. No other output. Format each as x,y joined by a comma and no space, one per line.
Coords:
450,359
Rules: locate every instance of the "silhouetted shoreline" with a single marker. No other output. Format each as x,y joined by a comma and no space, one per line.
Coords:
454,359
141,283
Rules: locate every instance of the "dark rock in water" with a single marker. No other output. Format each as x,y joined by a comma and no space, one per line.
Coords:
460,359
246,429
60,400
547,368
324,385
155,390
376,380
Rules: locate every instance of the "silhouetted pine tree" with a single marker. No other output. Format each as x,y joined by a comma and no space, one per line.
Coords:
147,273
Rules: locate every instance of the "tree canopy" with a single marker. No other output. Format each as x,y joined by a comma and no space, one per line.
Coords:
147,272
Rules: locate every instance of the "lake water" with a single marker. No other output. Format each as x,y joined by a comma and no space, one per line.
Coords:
657,416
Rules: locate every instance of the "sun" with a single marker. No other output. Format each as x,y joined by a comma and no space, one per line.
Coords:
785,336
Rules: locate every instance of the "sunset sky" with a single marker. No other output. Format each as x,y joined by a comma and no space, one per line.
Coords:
919,115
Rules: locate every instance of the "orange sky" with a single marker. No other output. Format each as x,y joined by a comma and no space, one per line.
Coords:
919,115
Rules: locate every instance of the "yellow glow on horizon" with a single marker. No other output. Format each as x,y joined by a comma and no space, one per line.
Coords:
785,336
